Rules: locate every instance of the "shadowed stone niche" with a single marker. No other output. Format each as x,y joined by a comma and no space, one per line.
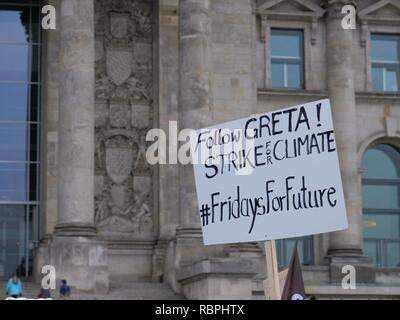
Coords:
124,214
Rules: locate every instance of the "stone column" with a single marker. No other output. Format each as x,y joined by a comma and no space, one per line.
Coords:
340,77
195,107
74,250
76,114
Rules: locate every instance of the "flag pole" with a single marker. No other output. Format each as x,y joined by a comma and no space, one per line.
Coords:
272,269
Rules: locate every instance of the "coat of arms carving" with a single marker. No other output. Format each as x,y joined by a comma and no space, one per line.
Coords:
119,158
119,64
119,22
120,114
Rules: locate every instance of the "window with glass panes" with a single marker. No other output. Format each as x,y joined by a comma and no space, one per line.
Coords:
284,250
287,59
385,58
381,204
19,134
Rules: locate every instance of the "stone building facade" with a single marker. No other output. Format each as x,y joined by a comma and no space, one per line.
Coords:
113,70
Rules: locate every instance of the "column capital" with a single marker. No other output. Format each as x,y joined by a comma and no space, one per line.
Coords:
334,7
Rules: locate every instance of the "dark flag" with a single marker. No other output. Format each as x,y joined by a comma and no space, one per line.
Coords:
294,285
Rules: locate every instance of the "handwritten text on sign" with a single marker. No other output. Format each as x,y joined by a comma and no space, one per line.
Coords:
269,176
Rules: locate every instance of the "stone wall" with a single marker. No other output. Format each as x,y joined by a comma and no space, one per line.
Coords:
124,204
234,59
377,115
49,155
137,209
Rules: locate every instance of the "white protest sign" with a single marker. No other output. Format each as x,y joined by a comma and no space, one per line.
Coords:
269,176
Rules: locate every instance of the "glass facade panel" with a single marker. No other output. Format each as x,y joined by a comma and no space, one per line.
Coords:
15,101
13,141
19,134
12,240
14,24
14,62
13,182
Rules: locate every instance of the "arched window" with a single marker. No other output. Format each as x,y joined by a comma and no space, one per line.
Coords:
381,204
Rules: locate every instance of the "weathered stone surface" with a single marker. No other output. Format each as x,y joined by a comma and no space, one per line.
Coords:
120,114
73,251
119,64
223,61
195,99
217,279
340,79
124,79
364,269
82,262
141,116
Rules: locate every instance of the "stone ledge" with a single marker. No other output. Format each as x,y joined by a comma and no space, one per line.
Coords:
368,96
218,266
130,244
363,291
292,92
365,270
337,292
218,278
360,96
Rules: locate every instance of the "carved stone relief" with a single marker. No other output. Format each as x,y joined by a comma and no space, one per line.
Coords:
124,113
119,64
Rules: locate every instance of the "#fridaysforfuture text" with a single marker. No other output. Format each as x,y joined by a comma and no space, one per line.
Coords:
269,176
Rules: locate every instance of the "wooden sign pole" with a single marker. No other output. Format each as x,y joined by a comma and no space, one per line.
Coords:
272,269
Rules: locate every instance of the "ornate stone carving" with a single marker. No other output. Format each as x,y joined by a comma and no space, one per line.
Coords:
115,224
140,86
120,114
143,25
119,158
124,108
102,198
142,189
142,56
141,116
132,16
119,24
119,64
101,113
141,165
